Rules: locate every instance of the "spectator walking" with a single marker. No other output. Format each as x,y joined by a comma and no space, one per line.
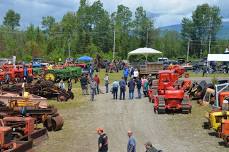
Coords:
84,83
131,85
122,85
136,73
106,82
91,71
69,85
139,86
131,146
97,80
145,85
131,72
115,86
125,74
102,140
93,86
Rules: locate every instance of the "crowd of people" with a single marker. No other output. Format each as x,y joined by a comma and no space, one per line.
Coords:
130,82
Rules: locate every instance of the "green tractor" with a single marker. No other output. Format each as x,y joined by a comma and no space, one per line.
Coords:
66,73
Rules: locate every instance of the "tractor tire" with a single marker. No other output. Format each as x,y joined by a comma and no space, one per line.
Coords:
50,77
61,98
161,105
54,123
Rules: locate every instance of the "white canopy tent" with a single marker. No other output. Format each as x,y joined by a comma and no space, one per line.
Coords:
218,57
144,51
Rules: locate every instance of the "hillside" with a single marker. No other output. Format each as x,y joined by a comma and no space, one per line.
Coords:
222,34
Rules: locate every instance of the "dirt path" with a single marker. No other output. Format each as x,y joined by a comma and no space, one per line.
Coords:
171,133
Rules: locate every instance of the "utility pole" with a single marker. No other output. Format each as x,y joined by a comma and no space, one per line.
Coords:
69,46
147,37
209,44
114,45
188,49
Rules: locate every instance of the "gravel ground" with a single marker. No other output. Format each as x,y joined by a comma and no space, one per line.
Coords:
169,132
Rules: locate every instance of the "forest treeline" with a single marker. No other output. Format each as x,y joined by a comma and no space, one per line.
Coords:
91,29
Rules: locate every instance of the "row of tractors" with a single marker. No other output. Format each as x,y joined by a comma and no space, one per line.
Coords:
19,123
18,73
171,94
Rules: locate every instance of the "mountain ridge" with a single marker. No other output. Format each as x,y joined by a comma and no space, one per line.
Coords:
223,33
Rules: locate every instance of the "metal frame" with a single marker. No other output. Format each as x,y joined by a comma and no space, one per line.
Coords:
224,85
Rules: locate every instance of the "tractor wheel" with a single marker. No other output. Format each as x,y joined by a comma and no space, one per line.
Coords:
50,77
161,105
61,98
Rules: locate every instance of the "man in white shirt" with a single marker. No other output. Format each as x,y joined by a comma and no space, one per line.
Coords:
136,73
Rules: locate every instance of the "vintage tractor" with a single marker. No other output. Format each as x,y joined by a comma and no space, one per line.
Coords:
47,115
169,78
7,144
220,109
62,74
40,111
170,95
23,127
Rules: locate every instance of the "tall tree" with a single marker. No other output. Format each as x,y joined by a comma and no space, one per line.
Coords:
142,26
48,22
203,26
11,19
123,25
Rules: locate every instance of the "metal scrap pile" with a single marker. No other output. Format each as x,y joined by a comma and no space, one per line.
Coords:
43,88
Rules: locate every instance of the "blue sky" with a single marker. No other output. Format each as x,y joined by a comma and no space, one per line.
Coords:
167,12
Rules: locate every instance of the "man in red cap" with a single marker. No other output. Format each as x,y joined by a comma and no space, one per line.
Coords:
102,141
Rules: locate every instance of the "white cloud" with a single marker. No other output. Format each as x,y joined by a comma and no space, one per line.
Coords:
170,11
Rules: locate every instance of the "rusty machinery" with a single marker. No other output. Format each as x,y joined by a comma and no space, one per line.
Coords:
47,115
7,144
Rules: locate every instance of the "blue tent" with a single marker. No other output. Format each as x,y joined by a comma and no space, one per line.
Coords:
85,58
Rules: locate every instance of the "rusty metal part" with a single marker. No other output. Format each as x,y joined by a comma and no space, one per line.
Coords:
54,123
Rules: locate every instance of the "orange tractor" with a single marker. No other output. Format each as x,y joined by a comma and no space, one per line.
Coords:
169,95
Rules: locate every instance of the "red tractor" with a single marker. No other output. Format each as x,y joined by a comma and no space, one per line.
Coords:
170,95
